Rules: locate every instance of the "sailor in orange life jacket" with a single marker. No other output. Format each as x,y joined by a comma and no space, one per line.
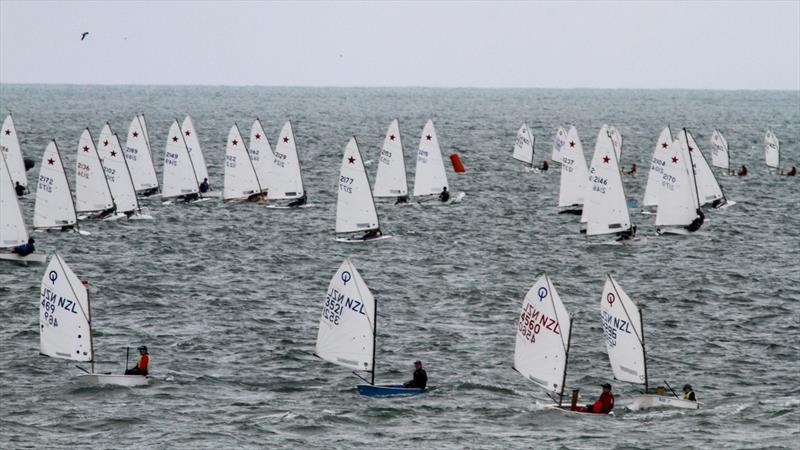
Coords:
603,405
144,362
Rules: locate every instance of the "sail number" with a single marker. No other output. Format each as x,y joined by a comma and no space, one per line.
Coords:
83,170
611,325
45,183
49,303
599,183
230,161
130,153
280,159
532,322
346,184
336,303
386,156
171,159
111,174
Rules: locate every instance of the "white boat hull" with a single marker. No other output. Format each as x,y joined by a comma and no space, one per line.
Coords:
36,258
351,239
114,380
657,401
274,206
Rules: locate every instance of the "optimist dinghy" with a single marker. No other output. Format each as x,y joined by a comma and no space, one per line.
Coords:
348,329
772,151
65,323
12,224
624,334
523,147
355,207
720,154
559,142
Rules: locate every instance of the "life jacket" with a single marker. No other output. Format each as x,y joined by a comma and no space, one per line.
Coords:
144,361
604,404
688,395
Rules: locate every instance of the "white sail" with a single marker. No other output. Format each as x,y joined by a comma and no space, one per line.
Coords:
241,180
543,331
139,157
430,177
574,174
285,180
708,188
143,122
92,192
622,326
772,149
616,139
677,205
115,167
54,206
523,145
391,178
9,147
64,314
605,208
656,174
355,208
719,151
347,326
195,151
261,154
559,142
179,176
12,225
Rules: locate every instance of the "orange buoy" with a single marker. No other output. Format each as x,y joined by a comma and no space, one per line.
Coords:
457,165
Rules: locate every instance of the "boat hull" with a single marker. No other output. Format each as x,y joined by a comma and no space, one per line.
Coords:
661,401
353,240
387,390
36,258
114,380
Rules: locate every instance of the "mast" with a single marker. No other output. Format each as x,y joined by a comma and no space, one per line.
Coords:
89,303
644,352
566,360
374,334
691,162
622,186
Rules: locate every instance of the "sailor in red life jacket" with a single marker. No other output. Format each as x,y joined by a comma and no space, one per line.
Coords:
605,403
144,362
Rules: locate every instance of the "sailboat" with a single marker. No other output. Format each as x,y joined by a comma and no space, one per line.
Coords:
574,174
54,209
720,156
523,146
559,142
430,177
12,224
241,181
656,174
348,329
542,344
196,154
772,150
261,154
65,323
179,179
709,192
286,180
390,181
355,207
138,155
118,175
624,335
605,210
677,198
93,197
9,147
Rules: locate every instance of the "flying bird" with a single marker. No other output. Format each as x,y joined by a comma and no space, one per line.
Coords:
84,34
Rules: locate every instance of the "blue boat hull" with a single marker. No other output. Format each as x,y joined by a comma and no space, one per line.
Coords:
387,390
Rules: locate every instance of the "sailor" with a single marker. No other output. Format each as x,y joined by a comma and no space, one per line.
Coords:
605,403
545,166
189,197
720,202
420,379
633,169
371,234
790,173
300,201
444,195
204,187
144,362
743,171
628,234
697,222
688,393
25,249
20,189
402,199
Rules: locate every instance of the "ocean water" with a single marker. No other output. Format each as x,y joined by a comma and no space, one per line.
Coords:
228,297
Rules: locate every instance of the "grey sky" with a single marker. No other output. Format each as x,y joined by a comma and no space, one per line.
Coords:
718,45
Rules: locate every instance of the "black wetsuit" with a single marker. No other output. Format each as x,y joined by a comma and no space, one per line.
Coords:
401,199
628,234
544,167
20,189
204,187
719,202
420,380
444,196
698,222
298,202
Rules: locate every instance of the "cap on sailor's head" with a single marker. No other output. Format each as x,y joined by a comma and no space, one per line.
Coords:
417,362
606,385
687,386
142,348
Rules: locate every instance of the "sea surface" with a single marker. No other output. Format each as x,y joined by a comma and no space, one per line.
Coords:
228,297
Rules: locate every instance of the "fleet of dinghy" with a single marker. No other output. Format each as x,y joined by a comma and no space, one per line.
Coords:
355,207
138,155
93,197
348,328
261,154
523,146
118,175
286,180
772,150
241,180
390,180
65,323
574,174
719,152
624,334
9,147
54,209
12,225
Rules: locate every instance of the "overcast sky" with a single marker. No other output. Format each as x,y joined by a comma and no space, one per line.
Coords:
717,45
